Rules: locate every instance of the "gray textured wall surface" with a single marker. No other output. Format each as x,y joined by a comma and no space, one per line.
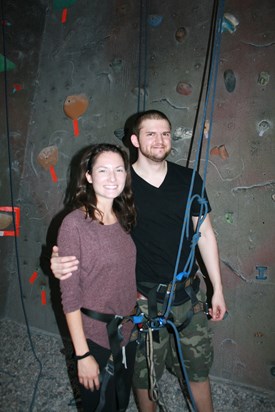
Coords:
95,54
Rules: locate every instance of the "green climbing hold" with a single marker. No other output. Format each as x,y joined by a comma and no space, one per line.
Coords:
9,65
229,217
62,4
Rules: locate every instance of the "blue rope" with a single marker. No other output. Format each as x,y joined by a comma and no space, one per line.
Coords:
142,58
145,57
184,372
139,62
203,207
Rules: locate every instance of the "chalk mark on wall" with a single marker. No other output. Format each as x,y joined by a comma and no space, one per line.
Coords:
257,185
223,179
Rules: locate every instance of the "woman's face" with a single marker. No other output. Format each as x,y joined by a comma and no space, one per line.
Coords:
108,176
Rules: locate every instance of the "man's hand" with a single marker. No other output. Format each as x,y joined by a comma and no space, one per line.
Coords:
62,267
218,311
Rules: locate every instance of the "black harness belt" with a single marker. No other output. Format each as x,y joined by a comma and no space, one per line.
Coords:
160,293
115,364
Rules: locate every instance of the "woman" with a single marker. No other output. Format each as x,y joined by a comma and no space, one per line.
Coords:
97,233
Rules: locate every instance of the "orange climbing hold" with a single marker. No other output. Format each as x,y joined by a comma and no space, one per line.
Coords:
74,107
220,151
48,158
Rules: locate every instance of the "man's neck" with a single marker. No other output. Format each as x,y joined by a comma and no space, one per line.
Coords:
152,172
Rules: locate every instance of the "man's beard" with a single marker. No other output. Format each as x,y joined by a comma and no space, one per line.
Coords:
153,157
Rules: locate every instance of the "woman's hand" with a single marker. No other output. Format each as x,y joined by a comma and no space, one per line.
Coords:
88,373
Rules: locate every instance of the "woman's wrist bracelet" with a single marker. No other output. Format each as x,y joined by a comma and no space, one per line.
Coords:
79,357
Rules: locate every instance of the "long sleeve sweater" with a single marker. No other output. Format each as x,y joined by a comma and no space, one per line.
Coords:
105,280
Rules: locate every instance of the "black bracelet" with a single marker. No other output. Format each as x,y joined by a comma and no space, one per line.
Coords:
76,357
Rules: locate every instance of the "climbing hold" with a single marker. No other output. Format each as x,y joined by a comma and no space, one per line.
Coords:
119,133
273,197
6,23
263,78
229,217
180,34
9,65
258,334
229,23
220,151
61,4
229,80
48,158
173,152
5,220
215,151
17,87
74,107
116,65
184,88
182,133
263,127
154,20
206,129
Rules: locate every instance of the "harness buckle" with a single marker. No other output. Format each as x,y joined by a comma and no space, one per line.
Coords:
160,286
206,308
110,367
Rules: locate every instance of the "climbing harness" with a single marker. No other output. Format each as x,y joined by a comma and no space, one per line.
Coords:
115,363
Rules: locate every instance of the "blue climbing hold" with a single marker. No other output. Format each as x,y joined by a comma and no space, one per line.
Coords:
154,20
229,23
229,80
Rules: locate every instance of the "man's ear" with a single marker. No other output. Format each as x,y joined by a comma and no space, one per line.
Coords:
89,177
134,140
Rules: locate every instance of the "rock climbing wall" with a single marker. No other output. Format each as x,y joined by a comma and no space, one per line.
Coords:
75,72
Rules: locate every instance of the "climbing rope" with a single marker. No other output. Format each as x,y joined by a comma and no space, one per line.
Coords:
155,393
143,48
211,88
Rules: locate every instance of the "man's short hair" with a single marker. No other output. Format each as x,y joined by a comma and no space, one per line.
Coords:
149,114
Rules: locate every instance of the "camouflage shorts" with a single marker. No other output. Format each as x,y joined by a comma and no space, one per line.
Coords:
196,345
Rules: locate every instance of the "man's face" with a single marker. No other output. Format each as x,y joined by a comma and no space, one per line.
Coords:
154,141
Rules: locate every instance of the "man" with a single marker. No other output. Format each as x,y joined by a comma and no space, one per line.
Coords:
161,190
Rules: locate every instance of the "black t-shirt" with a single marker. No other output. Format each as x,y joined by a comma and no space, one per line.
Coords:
160,214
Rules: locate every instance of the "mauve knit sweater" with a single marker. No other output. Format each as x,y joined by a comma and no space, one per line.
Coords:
105,280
